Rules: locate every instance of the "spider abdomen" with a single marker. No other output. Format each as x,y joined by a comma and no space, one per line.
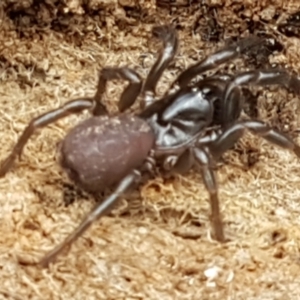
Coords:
102,150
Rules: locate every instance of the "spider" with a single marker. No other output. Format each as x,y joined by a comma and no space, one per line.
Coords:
191,126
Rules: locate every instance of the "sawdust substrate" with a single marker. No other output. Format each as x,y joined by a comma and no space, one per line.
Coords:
161,248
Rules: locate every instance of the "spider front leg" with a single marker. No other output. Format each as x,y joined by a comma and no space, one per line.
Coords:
205,156
206,164
222,56
130,93
170,44
169,37
183,162
231,135
232,103
71,107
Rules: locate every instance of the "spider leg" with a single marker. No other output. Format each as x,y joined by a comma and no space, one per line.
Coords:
232,103
99,210
71,107
231,135
168,36
130,93
205,162
222,56
220,145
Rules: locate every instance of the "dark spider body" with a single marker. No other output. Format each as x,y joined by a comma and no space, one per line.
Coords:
192,126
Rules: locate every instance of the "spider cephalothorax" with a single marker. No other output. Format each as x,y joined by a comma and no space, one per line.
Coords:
192,126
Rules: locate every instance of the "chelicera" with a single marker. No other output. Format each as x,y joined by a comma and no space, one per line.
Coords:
191,126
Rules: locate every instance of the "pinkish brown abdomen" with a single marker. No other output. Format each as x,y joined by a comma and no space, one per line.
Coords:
102,150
